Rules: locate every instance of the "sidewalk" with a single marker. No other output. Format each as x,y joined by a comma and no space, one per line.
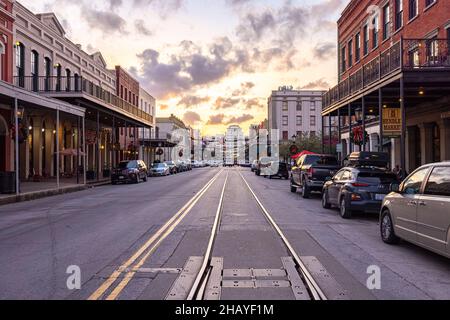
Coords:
37,190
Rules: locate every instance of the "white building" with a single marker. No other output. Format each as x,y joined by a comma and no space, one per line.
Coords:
148,104
295,112
234,145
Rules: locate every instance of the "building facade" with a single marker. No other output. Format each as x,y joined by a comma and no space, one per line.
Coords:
295,112
64,106
394,82
147,103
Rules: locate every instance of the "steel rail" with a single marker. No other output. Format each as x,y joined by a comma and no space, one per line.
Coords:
152,243
197,289
314,288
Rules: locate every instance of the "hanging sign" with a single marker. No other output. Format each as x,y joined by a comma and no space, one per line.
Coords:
392,122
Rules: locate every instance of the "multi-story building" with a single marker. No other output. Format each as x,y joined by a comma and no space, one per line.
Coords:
68,108
234,146
169,132
394,80
147,103
6,74
295,112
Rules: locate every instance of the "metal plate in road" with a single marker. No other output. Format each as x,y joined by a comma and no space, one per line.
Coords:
181,287
255,284
213,288
297,285
332,289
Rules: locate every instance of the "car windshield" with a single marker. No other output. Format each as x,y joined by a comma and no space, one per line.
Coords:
170,163
321,160
283,165
158,165
377,177
127,165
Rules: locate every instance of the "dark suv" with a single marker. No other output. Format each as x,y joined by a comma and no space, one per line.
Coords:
129,171
283,172
358,188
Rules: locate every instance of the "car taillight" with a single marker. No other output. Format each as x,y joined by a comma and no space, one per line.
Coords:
311,171
356,197
359,184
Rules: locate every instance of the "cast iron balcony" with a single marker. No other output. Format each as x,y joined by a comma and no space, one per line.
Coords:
405,55
77,85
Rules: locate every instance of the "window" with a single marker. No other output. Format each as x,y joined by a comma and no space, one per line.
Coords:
448,38
398,14
299,120
433,51
2,51
312,107
285,135
285,120
299,106
386,22
414,183
350,53
312,134
439,182
366,40
313,120
68,79
429,2
20,63
414,58
413,9
344,61
48,73
357,47
285,106
34,70
58,77
375,31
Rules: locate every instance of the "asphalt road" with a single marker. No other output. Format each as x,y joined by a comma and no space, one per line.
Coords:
99,229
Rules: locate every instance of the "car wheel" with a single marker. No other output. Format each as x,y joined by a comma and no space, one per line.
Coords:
306,193
387,229
345,212
325,202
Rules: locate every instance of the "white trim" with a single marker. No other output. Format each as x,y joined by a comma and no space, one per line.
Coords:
3,121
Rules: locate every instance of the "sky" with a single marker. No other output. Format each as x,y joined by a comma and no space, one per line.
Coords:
212,63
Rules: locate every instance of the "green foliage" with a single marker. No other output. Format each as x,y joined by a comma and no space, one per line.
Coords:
304,142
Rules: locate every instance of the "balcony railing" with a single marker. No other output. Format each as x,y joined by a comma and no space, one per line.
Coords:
407,54
78,85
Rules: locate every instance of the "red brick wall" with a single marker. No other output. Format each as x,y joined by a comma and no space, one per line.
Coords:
127,86
355,16
6,37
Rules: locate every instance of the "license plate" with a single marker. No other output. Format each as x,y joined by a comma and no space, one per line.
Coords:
380,197
121,178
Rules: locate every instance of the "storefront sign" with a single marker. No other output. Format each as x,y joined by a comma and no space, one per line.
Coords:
392,122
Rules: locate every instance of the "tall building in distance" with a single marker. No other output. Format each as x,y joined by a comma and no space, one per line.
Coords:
295,112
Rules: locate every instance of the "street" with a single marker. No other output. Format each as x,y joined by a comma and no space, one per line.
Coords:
126,249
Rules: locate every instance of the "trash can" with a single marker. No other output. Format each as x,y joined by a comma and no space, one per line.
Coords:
7,182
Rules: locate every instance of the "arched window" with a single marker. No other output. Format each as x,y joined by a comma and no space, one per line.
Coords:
35,70
58,76
68,79
48,73
20,64
76,78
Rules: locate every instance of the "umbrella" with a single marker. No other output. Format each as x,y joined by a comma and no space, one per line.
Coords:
71,152
301,154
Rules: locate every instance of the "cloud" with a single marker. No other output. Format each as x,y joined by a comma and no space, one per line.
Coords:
216,119
240,119
163,107
113,4
106,21
244,89
191,118
163,7
318,84
192,101
141,28
324,50
226,103
253,103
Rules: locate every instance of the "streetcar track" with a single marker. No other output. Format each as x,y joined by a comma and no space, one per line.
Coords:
148,248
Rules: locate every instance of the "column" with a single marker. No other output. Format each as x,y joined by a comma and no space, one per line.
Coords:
16,145
426,142
364,142
411,148
444,126
37,151
403,136
350,145
380,111
97,148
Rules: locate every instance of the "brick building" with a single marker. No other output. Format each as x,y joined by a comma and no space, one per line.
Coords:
393,65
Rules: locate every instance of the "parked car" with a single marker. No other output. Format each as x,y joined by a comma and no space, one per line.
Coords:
263,163
360,189
418,210
254,164
180,166
311,171
283,171
196,164
159,169
129,171
172,167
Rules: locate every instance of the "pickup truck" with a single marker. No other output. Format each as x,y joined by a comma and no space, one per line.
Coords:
311,171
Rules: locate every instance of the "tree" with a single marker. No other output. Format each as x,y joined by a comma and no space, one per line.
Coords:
304,141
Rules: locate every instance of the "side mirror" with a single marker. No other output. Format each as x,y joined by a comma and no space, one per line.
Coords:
395,187
328,179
